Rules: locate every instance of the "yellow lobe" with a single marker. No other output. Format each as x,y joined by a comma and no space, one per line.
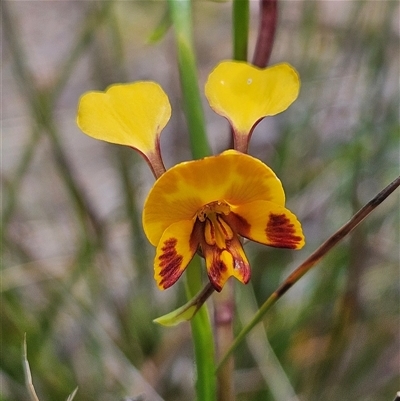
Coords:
183,190
267,223
174,252
244,94
228,261
126,114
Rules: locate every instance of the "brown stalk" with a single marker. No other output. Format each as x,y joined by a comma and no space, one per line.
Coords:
266,32
310,262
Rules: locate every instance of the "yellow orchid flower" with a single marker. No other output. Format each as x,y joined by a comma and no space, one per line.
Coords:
128,114
207,205
245,94
204,205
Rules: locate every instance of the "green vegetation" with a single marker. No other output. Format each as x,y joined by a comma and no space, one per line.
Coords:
77,273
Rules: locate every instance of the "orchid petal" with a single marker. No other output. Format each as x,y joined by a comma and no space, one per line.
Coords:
267,223
223,263
174,252
244,94
127,114
184,189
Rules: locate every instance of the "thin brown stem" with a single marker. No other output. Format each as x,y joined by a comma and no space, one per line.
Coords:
223,319
338,236
310,262
266,32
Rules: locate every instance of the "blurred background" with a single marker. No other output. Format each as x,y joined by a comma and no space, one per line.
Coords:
76,267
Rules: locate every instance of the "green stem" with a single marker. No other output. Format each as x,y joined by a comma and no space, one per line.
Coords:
182,21
240,29
225,301
202,337
180,11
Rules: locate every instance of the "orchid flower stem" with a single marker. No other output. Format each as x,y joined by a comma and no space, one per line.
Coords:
180,11
181,18
240,29
202,337
224,307
224,302
310,262
266,32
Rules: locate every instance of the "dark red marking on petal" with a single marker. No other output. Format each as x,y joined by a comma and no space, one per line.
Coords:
170,263
221,226
217,268
238,224
197,234
281,232
211,229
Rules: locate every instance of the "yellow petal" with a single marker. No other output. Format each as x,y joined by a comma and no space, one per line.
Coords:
126,114
223,263
244,94
267,223
174,252
184,189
